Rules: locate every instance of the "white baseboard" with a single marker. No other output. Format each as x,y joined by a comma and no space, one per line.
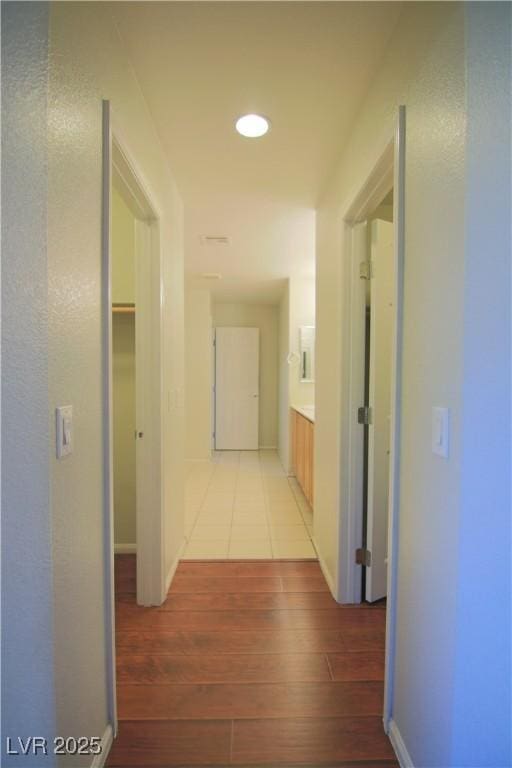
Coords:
398,745
172,569
125,549
268,448
106,743
325,571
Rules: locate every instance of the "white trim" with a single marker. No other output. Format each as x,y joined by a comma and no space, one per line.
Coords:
106,744
396,389
325,571
267,448
150,538
125,549
108,416
398,745
172,569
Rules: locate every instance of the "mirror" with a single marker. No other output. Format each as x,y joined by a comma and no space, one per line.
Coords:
307,352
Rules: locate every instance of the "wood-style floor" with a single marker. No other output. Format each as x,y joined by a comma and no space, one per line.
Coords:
248,664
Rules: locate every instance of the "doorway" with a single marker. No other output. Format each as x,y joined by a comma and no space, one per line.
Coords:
376,269
123,373
386,175
132,389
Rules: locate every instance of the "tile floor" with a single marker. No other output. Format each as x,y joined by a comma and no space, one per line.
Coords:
241,505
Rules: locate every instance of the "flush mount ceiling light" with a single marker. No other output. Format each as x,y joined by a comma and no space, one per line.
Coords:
252,126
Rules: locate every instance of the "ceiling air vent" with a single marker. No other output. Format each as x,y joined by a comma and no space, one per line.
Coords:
214,240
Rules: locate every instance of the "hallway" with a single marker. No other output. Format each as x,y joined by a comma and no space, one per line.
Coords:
248,664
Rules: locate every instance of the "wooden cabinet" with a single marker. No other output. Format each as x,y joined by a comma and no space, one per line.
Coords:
303,439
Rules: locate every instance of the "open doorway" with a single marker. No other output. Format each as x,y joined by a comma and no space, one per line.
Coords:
123,374
374,232
132,398
377,271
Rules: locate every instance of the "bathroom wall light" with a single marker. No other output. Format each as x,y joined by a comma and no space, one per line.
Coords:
252,126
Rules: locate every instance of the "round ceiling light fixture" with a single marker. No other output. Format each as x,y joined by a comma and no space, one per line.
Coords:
252,126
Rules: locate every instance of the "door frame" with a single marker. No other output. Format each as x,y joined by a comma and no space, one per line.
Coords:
118,165
388,172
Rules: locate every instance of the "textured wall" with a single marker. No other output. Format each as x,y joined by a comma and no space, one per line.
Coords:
28,696
87,64
442,58
483,677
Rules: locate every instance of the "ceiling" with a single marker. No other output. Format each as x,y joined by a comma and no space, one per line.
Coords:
305,65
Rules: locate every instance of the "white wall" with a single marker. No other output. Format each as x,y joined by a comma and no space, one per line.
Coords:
438,707
302,312
122,243
264,317
296,308
28,691
198,373
284,382
482,687
59,322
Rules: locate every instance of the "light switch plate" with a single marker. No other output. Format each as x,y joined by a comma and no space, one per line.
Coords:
64,430
440,431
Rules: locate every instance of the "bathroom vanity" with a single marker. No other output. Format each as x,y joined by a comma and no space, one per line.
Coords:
302,440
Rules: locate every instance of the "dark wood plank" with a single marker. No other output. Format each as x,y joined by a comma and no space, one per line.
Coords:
198,584
248,601
161,669
304,584
125,563
125,584
280,619
190,642
363,639
249,569
367,665
256,700
164,743
318,741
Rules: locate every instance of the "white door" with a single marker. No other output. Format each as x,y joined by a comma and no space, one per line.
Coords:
237,388
381,343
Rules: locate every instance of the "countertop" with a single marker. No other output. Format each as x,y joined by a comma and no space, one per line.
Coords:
306,410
